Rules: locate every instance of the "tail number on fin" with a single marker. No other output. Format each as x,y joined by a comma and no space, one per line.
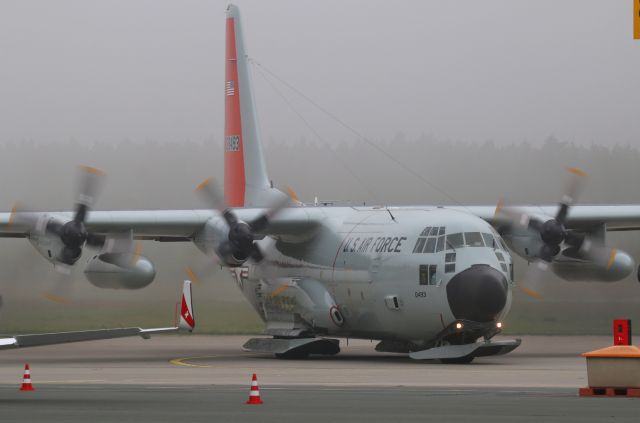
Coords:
232,143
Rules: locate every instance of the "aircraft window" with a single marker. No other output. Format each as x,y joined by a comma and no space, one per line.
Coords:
511,271
503,267
428,274
499,255
431,245
450,257
440,245
426,231
473,239
504,246
455,241
434,231
419,245
424,274
441,232
489,240
449,267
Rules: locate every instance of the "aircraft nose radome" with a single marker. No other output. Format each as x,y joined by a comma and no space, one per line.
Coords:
478,293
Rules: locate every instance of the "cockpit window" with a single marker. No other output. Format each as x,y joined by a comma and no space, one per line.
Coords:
454,241
504,246
489,240
431,245
431,240
474,239
419,245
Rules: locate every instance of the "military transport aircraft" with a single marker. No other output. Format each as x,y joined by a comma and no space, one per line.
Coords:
429,281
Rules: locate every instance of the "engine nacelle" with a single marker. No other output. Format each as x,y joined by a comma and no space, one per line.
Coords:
526,244
213,234
570,269
119,271
48,245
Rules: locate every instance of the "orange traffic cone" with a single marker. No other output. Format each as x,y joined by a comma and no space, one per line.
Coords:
26,380
254,394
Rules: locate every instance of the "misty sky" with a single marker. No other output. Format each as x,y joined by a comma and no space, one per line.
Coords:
503,70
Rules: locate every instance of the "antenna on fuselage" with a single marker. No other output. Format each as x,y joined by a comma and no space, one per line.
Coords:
390,214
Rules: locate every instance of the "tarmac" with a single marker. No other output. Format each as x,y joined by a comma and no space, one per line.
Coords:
206,378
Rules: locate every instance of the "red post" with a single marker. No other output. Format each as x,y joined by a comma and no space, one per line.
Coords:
622,332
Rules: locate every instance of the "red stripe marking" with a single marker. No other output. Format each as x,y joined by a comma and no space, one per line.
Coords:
186,314
234,179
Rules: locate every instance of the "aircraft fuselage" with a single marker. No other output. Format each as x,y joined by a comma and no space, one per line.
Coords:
389,272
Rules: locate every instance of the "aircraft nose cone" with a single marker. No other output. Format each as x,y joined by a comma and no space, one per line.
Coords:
478,293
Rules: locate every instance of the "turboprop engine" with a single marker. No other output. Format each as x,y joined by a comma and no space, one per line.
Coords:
576,254
120,271
234,240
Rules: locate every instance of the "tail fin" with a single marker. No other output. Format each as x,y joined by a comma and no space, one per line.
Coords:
246,183
187,319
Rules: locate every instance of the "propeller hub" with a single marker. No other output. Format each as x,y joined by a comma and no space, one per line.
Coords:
552,232
73,234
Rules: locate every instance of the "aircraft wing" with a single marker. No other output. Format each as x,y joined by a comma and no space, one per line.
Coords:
187,322
622,217
165,225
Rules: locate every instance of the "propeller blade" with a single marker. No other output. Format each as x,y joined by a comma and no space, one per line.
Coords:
533,283
61,287
90,182
572,190
121,249
256,253
203,269
598,252
262,222
210,192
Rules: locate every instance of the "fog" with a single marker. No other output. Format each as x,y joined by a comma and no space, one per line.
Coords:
470,104
153,69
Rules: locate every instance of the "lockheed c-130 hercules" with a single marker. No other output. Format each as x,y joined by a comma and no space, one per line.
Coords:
434,282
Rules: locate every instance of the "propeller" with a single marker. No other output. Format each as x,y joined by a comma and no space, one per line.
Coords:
72,234
240,244
555,235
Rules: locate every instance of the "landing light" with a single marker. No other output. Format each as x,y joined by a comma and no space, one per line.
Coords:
459,325
499,325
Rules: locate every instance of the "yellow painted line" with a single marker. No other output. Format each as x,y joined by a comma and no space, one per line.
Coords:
184,360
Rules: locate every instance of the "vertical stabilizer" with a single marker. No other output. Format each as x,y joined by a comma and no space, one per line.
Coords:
246,183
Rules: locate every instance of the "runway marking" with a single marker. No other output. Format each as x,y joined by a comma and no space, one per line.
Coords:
183,361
